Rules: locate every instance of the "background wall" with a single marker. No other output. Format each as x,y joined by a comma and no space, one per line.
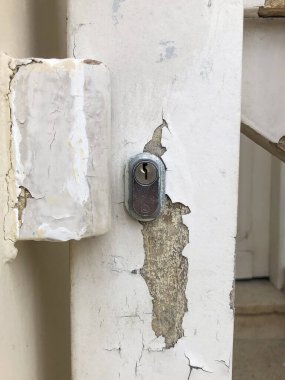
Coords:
34,288
261,221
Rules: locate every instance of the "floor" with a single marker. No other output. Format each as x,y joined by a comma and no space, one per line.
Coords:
259,345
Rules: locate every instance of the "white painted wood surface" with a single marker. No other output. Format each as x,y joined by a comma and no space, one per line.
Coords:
180,62
60,148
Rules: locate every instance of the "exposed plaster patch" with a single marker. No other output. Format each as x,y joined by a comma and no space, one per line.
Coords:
165,269
92,62
9,226
232,299
14,66
22,203
154,146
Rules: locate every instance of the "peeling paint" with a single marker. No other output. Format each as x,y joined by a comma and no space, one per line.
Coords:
165,269
154,146
232,298
36,149
22,203
92,62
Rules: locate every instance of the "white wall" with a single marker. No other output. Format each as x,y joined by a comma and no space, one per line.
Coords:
261,217
34,288
253,236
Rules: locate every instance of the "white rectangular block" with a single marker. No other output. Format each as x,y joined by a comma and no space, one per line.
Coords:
60,115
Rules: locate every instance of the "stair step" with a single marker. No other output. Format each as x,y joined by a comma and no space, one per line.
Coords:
258,297
259,311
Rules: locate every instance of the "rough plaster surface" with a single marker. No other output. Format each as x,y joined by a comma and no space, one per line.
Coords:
196,90
60,148
165,269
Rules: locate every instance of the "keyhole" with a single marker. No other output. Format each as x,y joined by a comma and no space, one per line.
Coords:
145,173
145,170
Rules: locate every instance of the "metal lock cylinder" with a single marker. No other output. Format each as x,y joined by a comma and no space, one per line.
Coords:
145,187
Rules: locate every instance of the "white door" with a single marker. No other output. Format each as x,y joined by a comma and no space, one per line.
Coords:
154,300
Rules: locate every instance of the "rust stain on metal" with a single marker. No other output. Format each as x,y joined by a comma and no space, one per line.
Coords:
92,62
165,269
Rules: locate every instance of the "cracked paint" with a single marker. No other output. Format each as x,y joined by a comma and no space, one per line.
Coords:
165,269
142,88
52,149
192,367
